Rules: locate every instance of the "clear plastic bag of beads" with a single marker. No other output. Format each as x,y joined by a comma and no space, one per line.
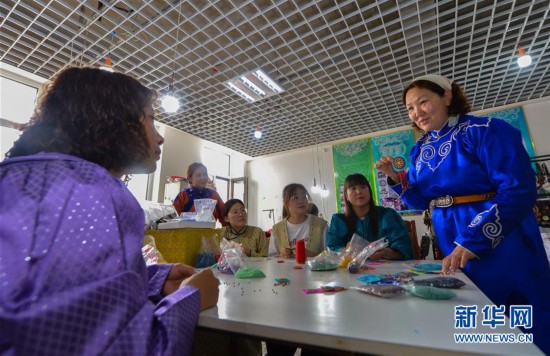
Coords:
381,290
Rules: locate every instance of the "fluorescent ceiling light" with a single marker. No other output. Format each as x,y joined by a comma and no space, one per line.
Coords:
268,81
254,86
241,92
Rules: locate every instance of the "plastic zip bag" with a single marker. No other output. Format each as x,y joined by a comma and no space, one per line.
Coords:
381,290
151,254
205,256
354,247
325,261
362,256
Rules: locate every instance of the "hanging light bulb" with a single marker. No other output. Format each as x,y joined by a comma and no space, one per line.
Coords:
258,132
324,192
169,102
315,189
108,66
523,59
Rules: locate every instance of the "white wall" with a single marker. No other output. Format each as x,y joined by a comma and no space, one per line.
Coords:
538,122
269,174
267,177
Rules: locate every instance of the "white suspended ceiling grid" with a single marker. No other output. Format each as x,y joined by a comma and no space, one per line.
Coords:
342,64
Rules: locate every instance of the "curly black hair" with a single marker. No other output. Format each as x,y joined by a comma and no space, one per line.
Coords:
459,102
92,114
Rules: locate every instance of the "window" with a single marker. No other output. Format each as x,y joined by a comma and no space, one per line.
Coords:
218,165
138,186
222,187
239,189
17,105
143,186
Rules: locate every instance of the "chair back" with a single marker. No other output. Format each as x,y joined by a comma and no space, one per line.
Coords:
411,226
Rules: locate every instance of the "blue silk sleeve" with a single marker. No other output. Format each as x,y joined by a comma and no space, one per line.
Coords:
336,234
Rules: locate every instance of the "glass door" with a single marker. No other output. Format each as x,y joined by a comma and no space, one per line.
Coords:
239,189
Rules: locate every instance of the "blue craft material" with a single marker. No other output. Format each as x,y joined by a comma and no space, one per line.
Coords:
205,259
369,278
427,267
282,280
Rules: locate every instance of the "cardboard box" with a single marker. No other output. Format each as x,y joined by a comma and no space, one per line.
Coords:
181,245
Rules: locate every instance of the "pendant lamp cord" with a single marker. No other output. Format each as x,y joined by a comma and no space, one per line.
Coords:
176,46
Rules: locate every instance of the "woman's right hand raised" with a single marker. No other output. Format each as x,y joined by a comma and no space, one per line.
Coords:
207,284
385,165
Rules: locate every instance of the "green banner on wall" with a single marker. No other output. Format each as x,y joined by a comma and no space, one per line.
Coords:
349,158
398,145
359,157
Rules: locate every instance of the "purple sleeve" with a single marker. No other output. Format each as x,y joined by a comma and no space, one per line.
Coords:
157,275
182,305
72,274
105,318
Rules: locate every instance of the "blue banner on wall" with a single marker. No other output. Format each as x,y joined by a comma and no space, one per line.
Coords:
516,118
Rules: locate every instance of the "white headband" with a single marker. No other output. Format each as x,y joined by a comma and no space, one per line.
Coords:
436,79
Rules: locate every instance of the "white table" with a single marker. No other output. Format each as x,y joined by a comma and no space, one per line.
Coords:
348,320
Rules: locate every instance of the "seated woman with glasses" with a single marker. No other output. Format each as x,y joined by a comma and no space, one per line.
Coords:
297,224
252,238
369,221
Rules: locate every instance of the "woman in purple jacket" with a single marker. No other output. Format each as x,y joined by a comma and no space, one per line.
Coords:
72,277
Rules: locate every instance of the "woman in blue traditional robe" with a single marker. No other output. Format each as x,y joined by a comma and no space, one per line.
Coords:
477,177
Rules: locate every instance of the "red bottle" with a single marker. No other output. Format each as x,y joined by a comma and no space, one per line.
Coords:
300,251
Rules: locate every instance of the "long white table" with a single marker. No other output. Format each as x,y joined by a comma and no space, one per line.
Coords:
348,320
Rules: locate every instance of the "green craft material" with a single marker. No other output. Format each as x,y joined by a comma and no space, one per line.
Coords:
324,266
249,272
428,292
